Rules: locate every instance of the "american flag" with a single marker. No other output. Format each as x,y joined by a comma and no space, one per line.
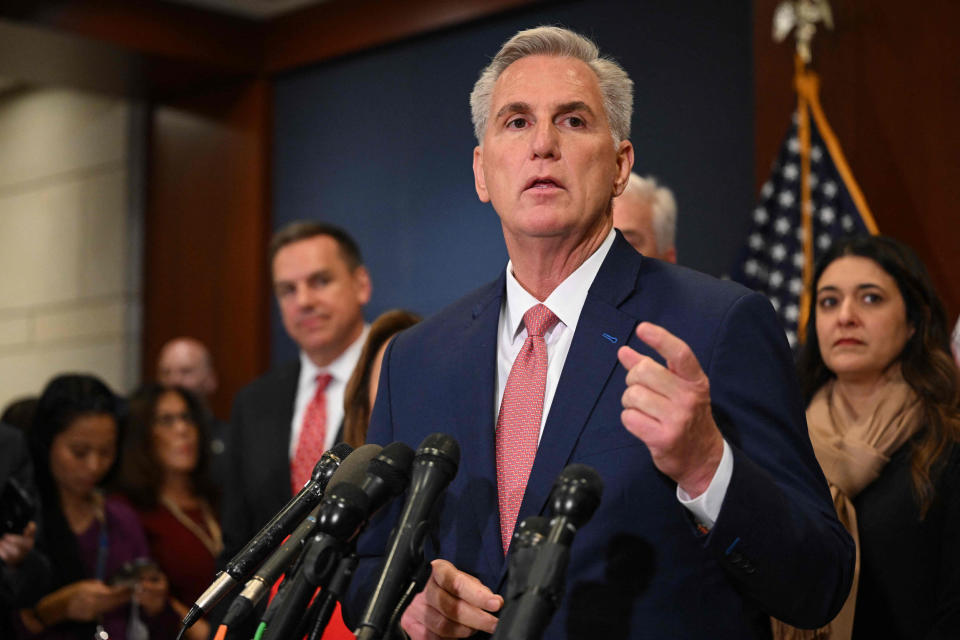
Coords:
772,260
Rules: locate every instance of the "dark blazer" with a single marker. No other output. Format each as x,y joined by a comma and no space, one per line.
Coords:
23,585
257,458
909,566
258,455
639,568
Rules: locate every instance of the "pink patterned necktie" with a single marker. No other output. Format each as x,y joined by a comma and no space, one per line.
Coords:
518,425
313,435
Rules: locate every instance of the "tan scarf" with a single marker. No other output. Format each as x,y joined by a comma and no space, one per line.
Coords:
852,450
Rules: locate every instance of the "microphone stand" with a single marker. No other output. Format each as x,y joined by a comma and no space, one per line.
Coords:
326,602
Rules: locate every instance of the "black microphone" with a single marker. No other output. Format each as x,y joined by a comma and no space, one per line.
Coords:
271,534
574,499
434,467
532,531
351,471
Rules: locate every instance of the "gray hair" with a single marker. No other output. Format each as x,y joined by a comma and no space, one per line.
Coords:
663,208
616,87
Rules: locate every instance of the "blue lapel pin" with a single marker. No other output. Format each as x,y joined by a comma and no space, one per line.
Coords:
610,338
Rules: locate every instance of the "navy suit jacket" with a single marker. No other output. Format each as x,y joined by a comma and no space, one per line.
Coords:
639,568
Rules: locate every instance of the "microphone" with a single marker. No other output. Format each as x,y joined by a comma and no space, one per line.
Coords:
270,535
351,471
387,475
574,499
532,531
434,466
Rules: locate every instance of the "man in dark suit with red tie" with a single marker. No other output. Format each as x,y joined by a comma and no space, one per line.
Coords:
676,387
282,422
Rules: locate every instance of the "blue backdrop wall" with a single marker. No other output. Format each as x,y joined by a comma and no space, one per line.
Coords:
381,143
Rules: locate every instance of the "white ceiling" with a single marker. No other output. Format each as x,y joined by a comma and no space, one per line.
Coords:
255,9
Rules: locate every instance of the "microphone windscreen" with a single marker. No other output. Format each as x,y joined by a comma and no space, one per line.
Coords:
353,468
328,463
576,493
392,466
341,450
439,447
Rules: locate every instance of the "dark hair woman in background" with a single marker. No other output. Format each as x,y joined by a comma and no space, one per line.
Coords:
101,578
362,387
164,475
884,418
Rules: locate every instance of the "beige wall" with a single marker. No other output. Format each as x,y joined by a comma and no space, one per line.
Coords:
69,239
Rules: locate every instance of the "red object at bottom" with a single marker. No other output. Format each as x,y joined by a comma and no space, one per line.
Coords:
336,628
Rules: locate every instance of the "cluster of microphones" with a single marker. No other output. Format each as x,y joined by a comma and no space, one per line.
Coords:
311,543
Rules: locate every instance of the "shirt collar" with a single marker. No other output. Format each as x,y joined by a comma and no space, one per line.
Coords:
340,369
566,301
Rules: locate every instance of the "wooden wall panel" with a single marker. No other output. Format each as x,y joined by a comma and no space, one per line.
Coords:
890,87
207,228
333,29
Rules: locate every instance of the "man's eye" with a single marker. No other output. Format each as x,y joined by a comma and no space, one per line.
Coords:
517,123
576,121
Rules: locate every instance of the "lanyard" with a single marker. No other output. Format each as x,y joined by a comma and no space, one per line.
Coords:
103,544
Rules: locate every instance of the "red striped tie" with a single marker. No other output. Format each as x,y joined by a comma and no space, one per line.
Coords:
313,435
518,425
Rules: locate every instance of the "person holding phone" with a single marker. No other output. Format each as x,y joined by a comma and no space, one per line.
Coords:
24,571
88,537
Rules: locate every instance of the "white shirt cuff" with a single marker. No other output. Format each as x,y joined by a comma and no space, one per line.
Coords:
706,507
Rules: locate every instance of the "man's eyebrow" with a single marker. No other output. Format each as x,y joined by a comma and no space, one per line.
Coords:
513,107
566,107
576,105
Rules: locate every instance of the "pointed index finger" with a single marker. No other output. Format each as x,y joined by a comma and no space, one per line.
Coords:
679,356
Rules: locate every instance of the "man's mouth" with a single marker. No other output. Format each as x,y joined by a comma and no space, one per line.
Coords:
543,183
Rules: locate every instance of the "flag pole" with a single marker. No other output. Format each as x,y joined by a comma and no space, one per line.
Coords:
802,80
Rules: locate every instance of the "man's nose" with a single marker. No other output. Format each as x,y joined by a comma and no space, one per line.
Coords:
545,143
303,295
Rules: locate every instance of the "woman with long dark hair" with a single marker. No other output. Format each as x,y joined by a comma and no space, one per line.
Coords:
164,474
884,418
361,389
102,580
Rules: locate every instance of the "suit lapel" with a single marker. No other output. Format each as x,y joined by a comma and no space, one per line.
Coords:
476,431
592,361
276,440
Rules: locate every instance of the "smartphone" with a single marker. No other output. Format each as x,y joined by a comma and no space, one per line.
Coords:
131,572
17,508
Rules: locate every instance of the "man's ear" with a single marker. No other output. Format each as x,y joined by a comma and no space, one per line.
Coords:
479,181
364,286
624,165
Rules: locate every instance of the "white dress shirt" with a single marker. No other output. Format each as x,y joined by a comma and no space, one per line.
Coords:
566,302
340,371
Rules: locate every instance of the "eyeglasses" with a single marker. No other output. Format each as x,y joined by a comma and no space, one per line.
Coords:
170,419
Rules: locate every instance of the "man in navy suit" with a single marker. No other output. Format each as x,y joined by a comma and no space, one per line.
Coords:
677,388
